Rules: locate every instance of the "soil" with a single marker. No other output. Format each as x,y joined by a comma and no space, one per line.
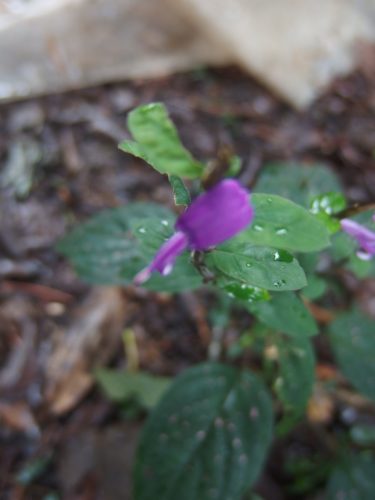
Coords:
59,165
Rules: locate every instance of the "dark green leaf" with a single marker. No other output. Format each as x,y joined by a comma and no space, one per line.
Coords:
353,479
316,285
353,343
207,439
157,142
112,247
280,223
257,266
33,470
363,434
300,183
180,193
296,372
285,313
120,386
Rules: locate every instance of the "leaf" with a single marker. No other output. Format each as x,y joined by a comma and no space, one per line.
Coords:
257,266
280,223
109,250
103,246
285,313
180,193
363,435
353,343
120,386
353,479
157,142
242,292
298,182
296,372
207,439
316,285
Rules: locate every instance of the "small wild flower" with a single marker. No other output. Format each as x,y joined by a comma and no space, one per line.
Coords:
213,217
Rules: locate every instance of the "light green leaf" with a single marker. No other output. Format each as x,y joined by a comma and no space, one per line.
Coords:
353,343
257,266
285,313
120,386
180,193
207,438
157,142
280,223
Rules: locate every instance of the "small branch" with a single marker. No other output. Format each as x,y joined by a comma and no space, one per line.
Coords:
354,210
198,262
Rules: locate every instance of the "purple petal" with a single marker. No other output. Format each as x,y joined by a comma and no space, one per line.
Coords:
217,215
165,257
365,238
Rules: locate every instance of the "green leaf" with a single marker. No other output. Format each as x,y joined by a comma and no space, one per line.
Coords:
363,435
157,142
32,470
111,248
329,203
207,439
120,386
353,343
241,291
296,372
280,223
257,266
316,285
300,182
180,193
285,313
104,246
353,479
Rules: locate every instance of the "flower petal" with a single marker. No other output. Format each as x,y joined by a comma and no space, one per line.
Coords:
216,215
165,257
365,238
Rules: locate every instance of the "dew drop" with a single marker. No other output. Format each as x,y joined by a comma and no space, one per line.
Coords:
165,222
281,231
142,230
248,265
279,283
219,422
243,459
200,435
257,227
254,413
236,442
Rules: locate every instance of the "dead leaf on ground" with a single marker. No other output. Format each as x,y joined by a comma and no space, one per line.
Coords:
18,417
90,341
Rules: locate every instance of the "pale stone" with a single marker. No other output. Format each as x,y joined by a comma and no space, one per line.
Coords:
64,44
294,46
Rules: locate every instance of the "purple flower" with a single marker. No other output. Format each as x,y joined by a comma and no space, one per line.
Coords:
212,218
365,238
